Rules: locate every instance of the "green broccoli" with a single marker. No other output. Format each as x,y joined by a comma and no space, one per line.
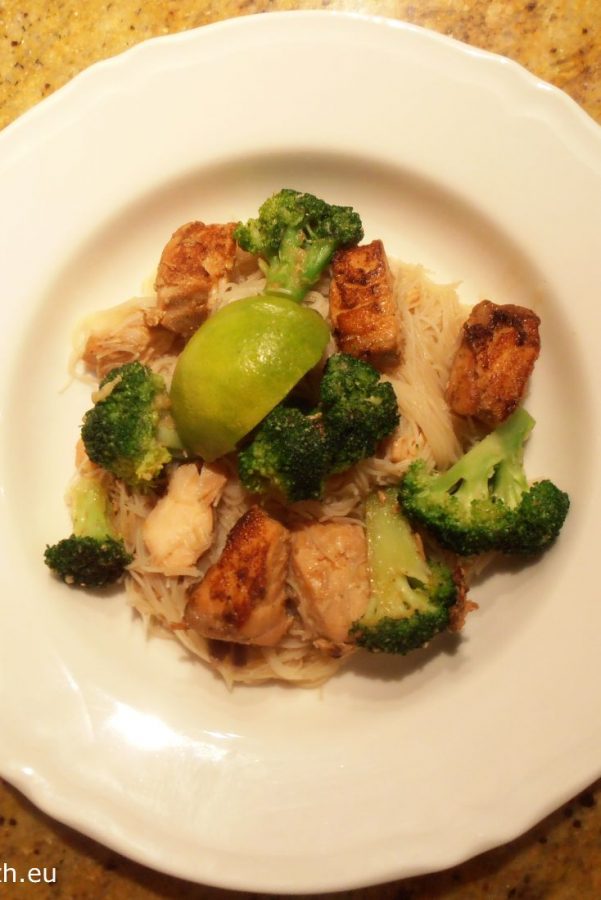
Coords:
129,431
293,451
93,556
484,502
411,597
358,409
297,234
290,453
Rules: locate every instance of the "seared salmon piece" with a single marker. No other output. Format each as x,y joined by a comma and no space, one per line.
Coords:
490,371
193,261
180,527
328,564
242,597
362,305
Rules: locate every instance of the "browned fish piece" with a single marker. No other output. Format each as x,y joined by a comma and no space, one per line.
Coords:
242,596
137,337
490,371
328,564
362,305
195,258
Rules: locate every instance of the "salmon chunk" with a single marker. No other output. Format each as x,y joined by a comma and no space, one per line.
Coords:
123,338
242,597
362,305
194,260
490,371
180,527
328,563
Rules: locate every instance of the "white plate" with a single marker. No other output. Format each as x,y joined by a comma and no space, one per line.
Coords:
459,160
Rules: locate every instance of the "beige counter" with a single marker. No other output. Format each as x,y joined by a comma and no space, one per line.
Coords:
45,43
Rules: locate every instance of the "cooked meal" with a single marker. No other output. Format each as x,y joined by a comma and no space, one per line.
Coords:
299,448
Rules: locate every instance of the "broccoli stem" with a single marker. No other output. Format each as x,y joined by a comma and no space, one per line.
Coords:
317,257
94,555
410,596
89,508
397,567
167,435
297,265
498,456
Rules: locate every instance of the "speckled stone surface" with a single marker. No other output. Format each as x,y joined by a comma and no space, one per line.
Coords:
44,43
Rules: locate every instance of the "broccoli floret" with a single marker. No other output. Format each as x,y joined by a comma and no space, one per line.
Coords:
293,452
290,453
359,409
128,431
93,556
411,597
297,234
484,501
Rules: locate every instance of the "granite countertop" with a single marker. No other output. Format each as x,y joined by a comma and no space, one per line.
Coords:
46,42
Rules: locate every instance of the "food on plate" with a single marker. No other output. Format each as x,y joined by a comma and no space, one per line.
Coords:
127,333
179,529
94,555
296,235
129,430
295,450
251,353
242,597
499,347
328,567
282,478
411,596
193,261
363,308
484,501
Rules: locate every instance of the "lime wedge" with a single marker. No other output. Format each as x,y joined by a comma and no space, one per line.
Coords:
242,362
